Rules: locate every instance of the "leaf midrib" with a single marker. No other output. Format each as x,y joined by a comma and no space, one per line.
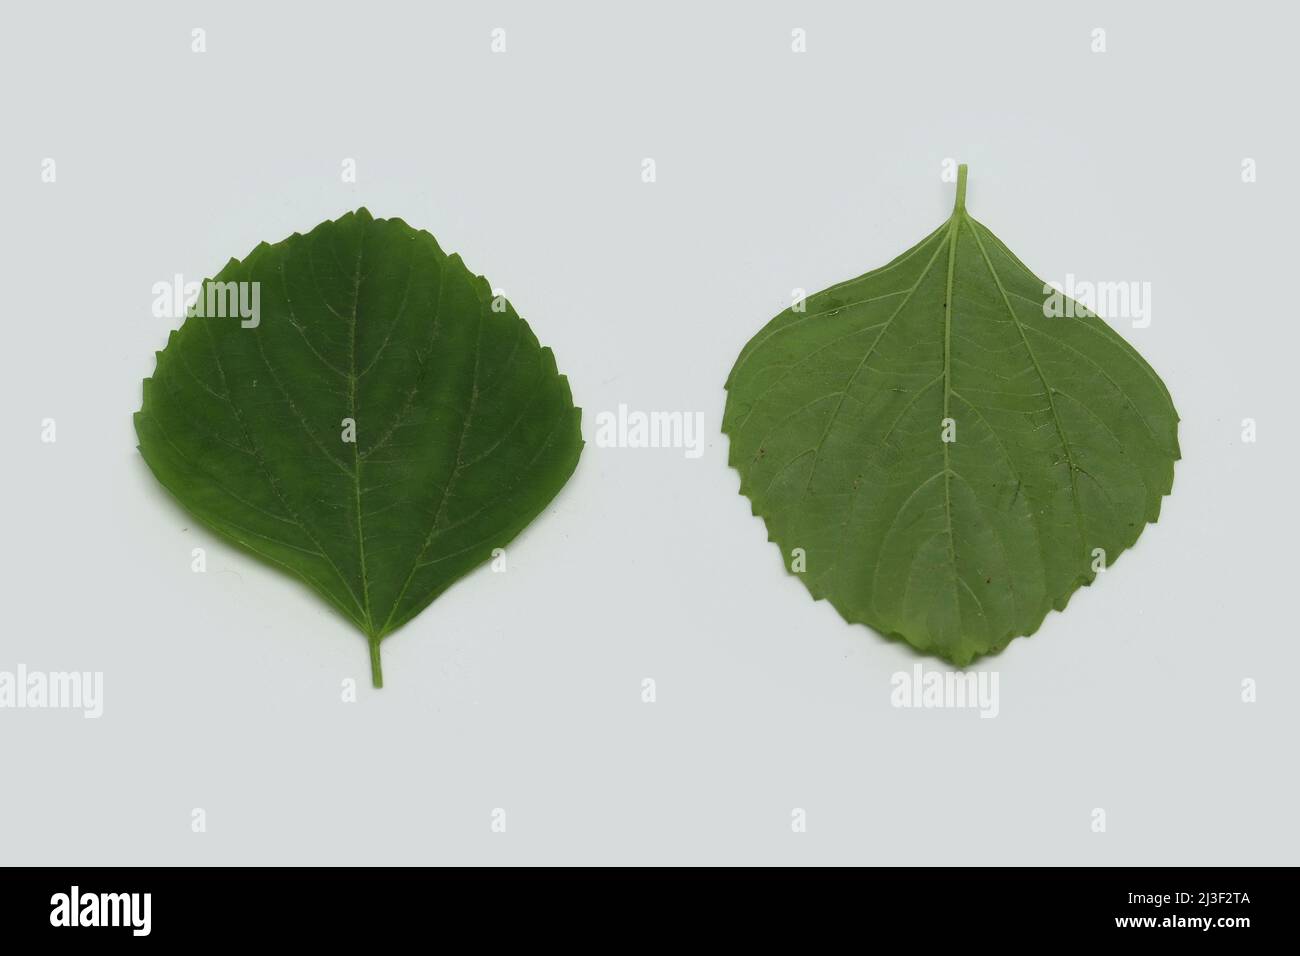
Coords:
356,454
954,226
959,217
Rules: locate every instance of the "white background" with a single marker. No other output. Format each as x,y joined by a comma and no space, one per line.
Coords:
522,690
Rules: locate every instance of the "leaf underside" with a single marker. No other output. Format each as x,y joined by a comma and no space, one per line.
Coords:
464,430
1065,442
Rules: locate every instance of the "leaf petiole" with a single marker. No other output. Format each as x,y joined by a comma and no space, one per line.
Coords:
376,669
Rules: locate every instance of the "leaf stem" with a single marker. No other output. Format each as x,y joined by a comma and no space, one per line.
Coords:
961,190
376,669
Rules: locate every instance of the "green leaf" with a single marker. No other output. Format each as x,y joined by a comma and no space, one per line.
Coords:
1065,444
463,429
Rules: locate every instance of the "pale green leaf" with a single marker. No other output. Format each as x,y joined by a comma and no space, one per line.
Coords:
1065,442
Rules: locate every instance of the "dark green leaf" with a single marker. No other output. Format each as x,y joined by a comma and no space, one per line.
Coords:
464,430
1065,444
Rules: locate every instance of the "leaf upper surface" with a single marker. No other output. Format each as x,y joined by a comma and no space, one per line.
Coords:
1065,442
464,430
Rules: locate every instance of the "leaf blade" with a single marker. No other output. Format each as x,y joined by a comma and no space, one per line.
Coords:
834,420
464,428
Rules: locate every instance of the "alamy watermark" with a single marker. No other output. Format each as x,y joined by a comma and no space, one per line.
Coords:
75,908
628,428
946,690
209,300
1115,300
22,689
